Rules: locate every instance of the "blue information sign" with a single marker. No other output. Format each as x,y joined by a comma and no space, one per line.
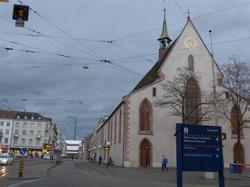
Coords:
23,151
199,148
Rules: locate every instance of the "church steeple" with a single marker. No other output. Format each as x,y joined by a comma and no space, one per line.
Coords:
164,39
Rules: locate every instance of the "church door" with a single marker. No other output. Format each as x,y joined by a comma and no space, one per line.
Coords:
145,153
239,153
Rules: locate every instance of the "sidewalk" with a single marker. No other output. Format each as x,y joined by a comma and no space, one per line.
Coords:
33,170
155,174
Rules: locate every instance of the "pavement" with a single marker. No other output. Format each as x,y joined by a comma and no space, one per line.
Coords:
155,174
79,173
37,169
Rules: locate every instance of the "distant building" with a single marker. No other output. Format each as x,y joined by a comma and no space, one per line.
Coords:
73,147
6,123
71,128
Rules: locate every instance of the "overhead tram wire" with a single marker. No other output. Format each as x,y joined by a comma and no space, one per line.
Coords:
130,51
93,53
179,7
179,22
39,52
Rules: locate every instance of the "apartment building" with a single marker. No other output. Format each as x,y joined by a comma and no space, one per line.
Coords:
6,123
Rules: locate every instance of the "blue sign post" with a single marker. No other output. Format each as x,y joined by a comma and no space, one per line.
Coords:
199,148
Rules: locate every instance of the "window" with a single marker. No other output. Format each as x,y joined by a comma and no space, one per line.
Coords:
120,126
235,117
24,124
15,141
16,131
146,114
39,125
6,140
8,124
32,117
31,132
190,63
39,132
30,141
193,99
1,123
154,92
32,125
23,141
18,117
38,141
25,117
24,131
7,131
17,124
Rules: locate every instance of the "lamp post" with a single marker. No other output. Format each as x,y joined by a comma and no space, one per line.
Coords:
107,148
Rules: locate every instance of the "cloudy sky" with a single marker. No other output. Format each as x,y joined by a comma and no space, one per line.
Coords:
44,72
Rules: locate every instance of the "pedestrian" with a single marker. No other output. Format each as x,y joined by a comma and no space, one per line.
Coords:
72,157
100,160
164,162
109,161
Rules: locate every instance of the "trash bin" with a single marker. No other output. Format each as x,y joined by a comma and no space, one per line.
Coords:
240,168
233,168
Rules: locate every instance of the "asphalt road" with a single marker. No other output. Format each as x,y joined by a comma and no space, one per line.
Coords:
83,174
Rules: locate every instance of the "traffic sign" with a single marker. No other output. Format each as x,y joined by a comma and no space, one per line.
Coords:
21,12
199,148
23,151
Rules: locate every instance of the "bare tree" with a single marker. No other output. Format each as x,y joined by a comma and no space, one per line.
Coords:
175,98
237,83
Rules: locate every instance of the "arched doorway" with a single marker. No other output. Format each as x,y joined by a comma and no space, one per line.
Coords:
239,153
145,153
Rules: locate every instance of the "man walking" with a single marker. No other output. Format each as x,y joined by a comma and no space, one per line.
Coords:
100,160
164,162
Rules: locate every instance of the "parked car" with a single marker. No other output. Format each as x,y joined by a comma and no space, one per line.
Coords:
6,159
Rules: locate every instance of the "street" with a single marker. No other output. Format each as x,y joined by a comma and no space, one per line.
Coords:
82,173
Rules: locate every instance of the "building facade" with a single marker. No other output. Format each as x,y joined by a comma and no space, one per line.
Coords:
6,124
31,131
137,133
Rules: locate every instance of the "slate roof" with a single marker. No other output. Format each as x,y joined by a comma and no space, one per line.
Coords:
152,75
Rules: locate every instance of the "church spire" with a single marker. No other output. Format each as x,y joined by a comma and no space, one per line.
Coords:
164,39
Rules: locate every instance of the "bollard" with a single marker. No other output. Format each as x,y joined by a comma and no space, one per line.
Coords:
21,167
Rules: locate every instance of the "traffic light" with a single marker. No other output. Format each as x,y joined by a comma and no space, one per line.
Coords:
21,12
223,136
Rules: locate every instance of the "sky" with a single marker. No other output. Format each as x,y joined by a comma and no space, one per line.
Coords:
80,57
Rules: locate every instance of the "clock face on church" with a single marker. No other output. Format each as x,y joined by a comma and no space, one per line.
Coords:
190,42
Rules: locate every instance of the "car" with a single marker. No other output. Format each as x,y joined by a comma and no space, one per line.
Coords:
46,156
6,159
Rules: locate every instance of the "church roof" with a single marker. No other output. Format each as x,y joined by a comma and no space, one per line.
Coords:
152,75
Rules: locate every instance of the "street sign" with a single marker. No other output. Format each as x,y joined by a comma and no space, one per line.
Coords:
21,12
199,148
23,151
19,23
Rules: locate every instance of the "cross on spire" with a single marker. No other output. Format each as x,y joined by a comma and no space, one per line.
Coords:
188,13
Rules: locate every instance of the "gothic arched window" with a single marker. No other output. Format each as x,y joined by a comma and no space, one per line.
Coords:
192,101
145,114
190,63
235,116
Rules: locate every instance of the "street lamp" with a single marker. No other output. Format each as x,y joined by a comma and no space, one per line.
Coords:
107,147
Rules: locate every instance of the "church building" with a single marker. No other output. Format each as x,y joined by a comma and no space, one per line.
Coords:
138,132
